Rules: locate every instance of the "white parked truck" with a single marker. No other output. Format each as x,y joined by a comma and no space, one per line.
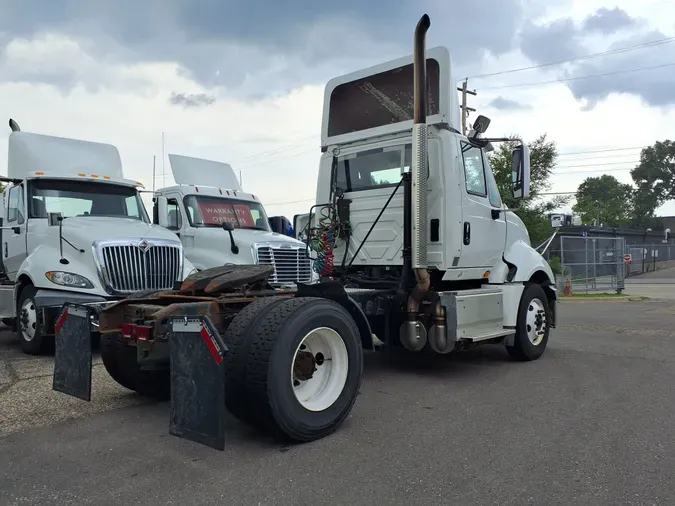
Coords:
74,230
220,224
415,247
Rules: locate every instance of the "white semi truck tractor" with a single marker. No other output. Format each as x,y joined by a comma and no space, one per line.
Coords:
221,224
74,230
414,246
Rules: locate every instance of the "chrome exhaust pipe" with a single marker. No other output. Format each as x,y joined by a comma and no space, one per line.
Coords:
438,338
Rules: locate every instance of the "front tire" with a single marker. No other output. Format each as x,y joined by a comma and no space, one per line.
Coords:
31,338
532,327
303,368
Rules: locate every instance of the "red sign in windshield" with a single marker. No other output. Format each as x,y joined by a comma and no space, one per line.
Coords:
215,214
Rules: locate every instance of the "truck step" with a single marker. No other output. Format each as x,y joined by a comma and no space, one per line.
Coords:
7,309
489,335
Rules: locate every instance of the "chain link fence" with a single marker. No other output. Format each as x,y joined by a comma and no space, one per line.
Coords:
592,264
645,258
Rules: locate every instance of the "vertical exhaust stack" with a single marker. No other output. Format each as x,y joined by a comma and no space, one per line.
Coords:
420,155
413,334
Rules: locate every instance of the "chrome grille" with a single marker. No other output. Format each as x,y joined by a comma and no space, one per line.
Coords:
290,263
129,266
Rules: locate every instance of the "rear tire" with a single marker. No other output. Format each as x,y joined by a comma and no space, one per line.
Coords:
121,363
274,376
236,399
532,327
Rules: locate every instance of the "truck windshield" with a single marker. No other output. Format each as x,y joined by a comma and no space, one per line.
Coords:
214,211
84,198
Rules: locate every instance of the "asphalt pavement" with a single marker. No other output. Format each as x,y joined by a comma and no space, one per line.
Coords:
588,423
658,284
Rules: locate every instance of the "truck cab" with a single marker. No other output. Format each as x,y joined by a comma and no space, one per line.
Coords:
75,230
219,223
468,244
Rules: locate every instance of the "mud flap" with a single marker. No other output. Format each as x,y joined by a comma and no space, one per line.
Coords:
72,356
197,381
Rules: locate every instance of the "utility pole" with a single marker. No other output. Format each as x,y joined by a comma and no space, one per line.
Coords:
163,167
466,110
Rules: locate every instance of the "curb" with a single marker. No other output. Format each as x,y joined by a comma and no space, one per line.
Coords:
629,298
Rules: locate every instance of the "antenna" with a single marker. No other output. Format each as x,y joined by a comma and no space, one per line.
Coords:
163,163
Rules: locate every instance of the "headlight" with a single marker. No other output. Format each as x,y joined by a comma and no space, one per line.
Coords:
68,279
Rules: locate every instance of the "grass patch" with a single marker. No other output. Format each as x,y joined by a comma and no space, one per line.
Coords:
594,295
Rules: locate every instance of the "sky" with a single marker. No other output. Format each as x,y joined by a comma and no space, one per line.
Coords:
244,84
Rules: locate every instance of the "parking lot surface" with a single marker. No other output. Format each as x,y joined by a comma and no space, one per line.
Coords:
588,423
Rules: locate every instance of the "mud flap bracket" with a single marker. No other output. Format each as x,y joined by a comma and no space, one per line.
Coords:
72,355
197,354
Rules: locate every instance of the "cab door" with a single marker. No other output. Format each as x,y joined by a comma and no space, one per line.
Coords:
14,247
483,219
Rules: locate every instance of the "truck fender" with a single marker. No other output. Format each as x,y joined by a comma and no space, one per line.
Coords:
361,322
22,280
336,292
521,263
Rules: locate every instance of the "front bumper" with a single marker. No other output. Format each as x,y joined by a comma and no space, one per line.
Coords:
50,304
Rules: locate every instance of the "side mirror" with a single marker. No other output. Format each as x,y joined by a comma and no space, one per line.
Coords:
520,172
277,224
227,226
162,212
54,219
481,124
300,224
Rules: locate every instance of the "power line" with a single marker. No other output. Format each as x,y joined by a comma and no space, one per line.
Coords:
601,151
590,171
288,202
285,147
594,164
306,151
292,145
553,193
578,78
579,58
598,157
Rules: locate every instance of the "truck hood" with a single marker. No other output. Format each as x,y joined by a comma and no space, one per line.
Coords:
83,231
210,247
246,238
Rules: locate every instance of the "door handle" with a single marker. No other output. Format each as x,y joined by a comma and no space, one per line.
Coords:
467,233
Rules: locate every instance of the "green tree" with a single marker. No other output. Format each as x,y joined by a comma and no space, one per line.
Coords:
535,209
654,178
606,198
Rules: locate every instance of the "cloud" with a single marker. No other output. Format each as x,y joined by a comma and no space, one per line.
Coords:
608,21
506,104
191,99
257,49
564,39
